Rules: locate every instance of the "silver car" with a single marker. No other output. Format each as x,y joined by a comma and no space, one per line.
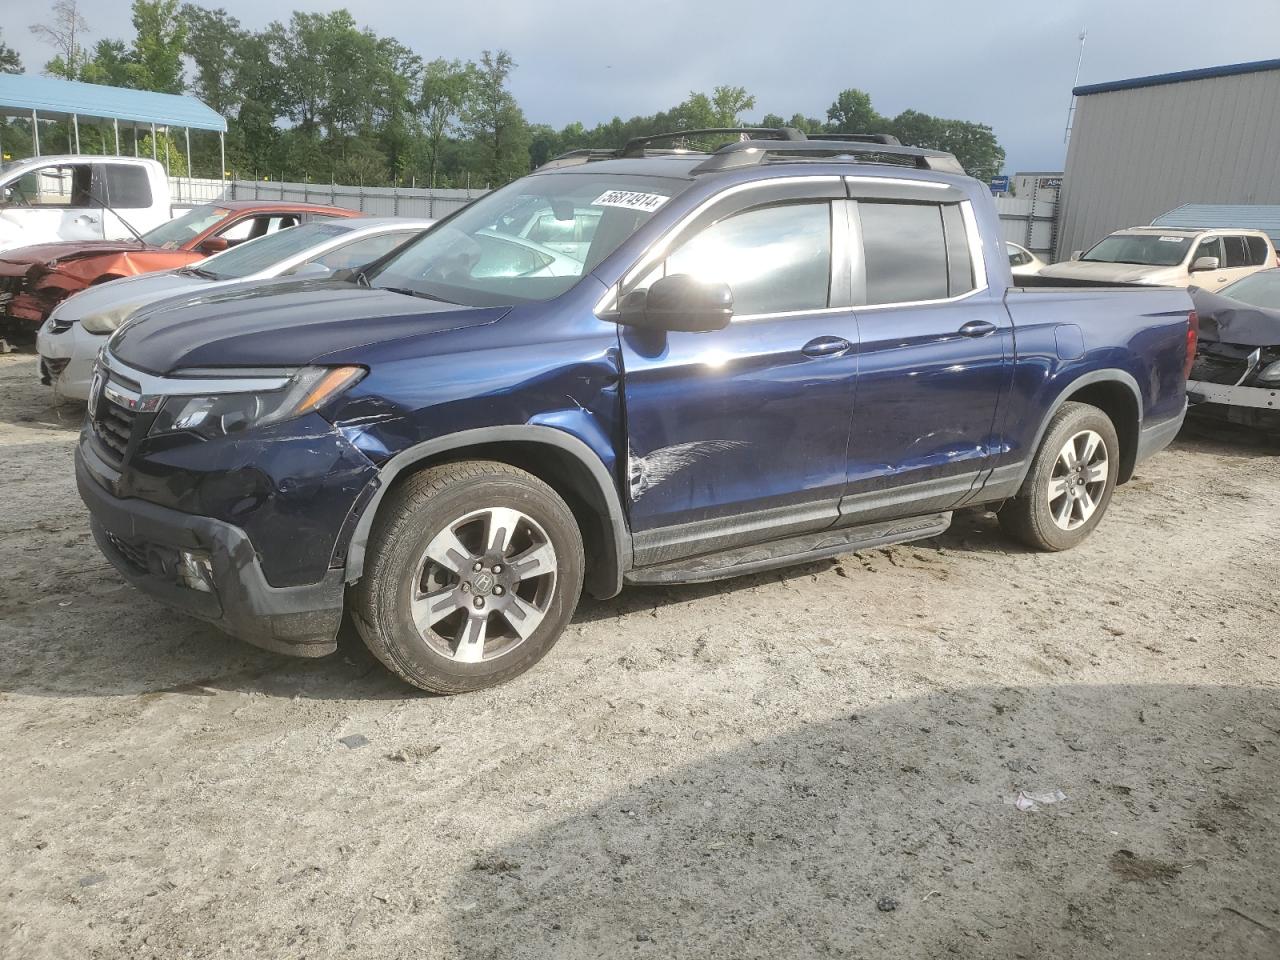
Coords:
70,339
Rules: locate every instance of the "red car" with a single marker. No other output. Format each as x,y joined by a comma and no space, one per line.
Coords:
35,279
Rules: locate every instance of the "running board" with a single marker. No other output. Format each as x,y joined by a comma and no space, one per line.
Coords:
798,549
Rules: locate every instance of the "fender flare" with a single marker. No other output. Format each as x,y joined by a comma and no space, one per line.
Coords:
603,491
1106,375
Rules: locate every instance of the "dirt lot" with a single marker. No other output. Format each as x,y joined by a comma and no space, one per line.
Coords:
821,762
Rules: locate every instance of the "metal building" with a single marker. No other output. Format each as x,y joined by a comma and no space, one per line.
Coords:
1145,146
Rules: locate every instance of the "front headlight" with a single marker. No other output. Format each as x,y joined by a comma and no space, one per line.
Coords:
221,415
1270,373
108,320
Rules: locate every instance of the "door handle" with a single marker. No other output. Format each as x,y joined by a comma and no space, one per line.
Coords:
826,347
85,218
977,328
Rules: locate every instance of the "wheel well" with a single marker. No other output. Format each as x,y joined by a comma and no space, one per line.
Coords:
570,478
1117,401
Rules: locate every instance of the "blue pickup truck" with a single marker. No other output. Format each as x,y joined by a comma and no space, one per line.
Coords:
637,366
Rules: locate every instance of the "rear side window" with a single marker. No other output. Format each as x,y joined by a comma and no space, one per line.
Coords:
775,259
1257,251
1237,252
914,251
128,187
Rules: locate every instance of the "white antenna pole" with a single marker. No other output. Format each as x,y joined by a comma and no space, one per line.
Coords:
1071,108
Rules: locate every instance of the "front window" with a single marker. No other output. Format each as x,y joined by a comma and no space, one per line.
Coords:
61,185
1142,249
503,249
182,230
255,256
1257,290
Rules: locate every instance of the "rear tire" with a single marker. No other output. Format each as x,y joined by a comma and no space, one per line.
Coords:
473,571
1070,483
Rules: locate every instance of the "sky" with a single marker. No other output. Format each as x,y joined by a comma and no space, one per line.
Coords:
1010,66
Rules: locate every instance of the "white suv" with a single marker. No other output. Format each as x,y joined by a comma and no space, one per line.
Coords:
1172,257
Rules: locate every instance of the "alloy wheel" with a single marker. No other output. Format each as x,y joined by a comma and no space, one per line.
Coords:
1079,480
484,584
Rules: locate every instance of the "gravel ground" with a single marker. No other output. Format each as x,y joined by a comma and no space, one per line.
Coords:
820,762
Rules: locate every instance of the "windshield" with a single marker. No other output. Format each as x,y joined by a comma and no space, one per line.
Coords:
1258,290
183,229
257,255
1145,249
529,241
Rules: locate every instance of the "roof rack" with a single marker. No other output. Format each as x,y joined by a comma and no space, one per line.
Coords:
749,152
774,144
636,145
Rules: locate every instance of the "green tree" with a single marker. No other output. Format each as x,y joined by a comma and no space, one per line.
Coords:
110,64
215,42
161,36
495,122
446,91
727,103
974,144
852,113
10,62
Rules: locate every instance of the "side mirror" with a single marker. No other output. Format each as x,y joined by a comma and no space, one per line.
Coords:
313,268
679,303
1077,254
1204,263
213,245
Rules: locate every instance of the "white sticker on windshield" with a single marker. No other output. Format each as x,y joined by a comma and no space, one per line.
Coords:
1172,239
630,200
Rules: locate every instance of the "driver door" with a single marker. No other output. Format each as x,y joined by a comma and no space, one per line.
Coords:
740,435
55,203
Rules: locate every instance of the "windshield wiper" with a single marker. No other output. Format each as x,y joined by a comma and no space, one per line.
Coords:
414,293
201,272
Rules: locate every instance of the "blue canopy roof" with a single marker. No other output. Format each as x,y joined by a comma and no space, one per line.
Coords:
56,99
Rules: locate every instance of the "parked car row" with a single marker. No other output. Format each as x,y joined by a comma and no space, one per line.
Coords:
634,366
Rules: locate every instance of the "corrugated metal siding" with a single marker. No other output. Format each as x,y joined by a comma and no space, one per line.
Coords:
1135,154
1255,216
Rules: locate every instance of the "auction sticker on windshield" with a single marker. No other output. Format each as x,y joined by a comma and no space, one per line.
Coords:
630,200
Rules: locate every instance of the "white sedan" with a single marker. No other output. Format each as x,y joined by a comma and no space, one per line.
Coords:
69,340
1022,261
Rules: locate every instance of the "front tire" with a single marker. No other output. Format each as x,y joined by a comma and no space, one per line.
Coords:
474,570
1071,481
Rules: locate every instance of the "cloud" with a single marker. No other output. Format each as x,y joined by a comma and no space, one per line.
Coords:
590,60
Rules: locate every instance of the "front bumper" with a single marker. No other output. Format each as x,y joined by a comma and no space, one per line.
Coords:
145,542
1257,408
67,359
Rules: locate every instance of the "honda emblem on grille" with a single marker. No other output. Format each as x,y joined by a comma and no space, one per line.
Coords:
95,391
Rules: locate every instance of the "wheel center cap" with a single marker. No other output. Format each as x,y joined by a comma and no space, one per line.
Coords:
482,583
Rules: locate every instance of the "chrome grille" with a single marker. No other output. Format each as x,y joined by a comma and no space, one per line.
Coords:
113,425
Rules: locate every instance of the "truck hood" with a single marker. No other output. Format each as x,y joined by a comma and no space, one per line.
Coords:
1225,320
282,325
17,261
1113,272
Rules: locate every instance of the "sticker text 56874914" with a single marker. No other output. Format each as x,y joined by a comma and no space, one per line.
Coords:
630,200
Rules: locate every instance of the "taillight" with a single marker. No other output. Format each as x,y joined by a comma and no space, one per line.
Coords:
1193,339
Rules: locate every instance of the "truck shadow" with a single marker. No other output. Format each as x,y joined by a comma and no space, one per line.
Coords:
895,833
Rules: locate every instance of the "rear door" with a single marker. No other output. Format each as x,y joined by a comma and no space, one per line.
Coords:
1244,255
740,435
936,352
126,190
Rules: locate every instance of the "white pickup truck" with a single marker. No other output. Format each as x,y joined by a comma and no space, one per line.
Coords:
46,199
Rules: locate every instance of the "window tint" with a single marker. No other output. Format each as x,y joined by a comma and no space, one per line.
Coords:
1257,251
1209,248
364,251
959,263
905,252
127,186
774,259
1237,253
